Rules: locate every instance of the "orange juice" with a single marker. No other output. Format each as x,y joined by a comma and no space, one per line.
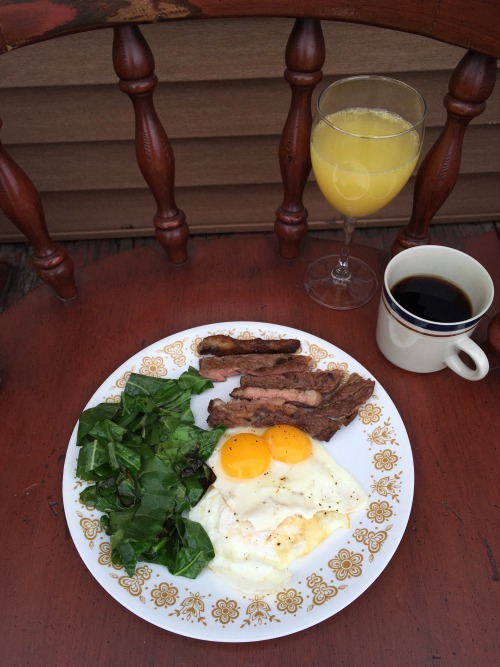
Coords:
361,166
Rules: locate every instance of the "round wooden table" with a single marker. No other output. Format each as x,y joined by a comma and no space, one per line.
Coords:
437,601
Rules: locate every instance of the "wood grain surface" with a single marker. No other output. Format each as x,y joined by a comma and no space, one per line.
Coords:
18,277
436,602
452,21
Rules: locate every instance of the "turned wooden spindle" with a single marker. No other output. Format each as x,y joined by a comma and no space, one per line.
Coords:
471,84
20,201
304,58
134,64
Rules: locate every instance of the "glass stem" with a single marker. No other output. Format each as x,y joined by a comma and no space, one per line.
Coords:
341,272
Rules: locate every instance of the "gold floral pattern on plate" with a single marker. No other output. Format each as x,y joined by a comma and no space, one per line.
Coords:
90,528
346,564
339,366
379,511
164,595
372,539
154,366
385,460
135,584
259,613
289,601
122,380
370,413
192,608
374,448
317,354
383,435
226,611
104,557
388,486
176,352
321,590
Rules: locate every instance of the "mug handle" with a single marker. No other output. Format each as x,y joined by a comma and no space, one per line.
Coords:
473,351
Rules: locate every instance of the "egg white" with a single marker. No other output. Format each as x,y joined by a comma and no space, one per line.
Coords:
259,526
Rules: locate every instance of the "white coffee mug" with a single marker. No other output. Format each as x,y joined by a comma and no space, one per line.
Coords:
424,346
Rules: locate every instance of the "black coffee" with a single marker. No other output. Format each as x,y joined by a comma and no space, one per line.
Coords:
433,299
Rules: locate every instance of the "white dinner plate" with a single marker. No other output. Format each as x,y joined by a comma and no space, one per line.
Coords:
374,448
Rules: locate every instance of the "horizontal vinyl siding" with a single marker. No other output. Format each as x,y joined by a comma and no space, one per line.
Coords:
218,49
231,108
206,162
71,129
124,213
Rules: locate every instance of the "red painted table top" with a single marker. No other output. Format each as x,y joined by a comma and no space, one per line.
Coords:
435,603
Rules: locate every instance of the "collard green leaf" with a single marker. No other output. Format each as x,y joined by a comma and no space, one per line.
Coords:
168,394
144,404
102,496
118,522
128,458
192,380
157,476
149,517
147,458
167,423
158,485
107,430
188,443
89,418
105,524
208,440
92,464
113,461
196,485
126,492
144,385
194,551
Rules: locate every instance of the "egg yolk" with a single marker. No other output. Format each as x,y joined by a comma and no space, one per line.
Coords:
288,443
245,456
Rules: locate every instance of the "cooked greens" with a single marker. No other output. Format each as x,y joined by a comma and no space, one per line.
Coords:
147,459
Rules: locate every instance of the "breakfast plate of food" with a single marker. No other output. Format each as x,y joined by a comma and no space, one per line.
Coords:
238,481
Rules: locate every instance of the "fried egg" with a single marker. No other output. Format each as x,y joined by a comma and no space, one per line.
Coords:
277,495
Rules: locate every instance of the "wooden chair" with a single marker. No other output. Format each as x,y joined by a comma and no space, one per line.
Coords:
435,603
470,86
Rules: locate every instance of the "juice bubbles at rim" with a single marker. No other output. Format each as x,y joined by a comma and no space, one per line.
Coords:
362,168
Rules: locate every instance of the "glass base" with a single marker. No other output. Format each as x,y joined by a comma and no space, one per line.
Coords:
340,294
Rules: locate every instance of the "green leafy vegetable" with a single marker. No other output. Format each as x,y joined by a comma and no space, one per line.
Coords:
147,459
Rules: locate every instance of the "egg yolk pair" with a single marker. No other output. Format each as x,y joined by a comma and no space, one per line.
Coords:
246,455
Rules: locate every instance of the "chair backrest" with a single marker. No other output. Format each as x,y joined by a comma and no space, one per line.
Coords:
472,26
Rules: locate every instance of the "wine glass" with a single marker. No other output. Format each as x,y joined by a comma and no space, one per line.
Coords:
365,142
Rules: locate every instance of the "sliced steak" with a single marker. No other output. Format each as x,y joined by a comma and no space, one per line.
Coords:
309,397
222,346
239,413
316,425
323,381
261,413
345,403
220,368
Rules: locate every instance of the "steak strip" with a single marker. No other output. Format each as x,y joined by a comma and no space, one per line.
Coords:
344,404
222,346
325,382
309,397
220,368
261,414
315,425
239,413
